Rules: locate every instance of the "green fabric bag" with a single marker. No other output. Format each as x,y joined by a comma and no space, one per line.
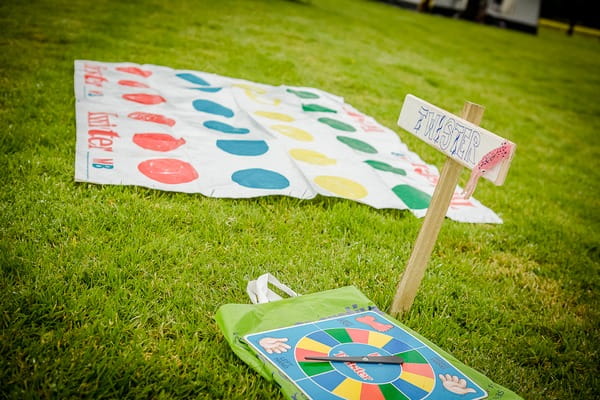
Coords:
238,320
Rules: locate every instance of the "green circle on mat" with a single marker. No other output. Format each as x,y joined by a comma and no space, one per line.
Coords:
412,197
357,144
303,94
316,108
380,165
335,124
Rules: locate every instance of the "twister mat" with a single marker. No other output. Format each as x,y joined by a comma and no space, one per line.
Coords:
197,132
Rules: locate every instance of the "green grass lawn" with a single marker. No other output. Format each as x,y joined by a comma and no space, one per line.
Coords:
111,291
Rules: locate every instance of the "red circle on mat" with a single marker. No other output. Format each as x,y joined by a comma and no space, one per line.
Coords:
168,170
144,98
157,118
135,71
157,141
125,82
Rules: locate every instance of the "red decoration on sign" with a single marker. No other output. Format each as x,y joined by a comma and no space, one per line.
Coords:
168,170
135,71
157,141
125,82
149,117
144,98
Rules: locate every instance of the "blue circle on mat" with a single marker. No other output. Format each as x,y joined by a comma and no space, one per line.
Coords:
225,128
211,107
258,178
243,147
192,78
208,89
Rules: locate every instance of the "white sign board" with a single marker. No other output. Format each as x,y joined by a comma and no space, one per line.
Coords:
464,142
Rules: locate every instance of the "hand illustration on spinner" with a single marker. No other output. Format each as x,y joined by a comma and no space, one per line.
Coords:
274,345
455,385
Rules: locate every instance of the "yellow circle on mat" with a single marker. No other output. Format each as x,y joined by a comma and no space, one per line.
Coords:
293,132
274,115
341,186
311,157
255,93
256,89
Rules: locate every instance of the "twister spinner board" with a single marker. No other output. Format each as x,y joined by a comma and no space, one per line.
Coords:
423,375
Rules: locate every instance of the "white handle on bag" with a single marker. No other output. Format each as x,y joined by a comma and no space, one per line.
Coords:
259,291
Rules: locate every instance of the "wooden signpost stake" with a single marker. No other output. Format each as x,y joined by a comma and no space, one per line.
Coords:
466,145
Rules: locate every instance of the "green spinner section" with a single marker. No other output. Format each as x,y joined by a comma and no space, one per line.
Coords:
315,368
413,357
339,334
390,392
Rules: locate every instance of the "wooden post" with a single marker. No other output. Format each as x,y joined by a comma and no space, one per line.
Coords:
440,201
